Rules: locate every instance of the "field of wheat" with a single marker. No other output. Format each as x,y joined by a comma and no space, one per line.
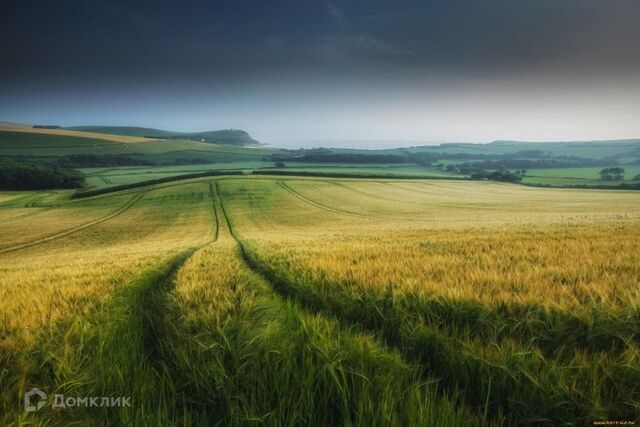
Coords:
301,301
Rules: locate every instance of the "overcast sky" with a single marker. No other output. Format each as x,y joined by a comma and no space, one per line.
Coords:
294,71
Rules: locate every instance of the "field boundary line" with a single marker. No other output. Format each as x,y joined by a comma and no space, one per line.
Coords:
321,206
72,230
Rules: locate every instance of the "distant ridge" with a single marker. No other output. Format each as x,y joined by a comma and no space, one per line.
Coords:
226,136
595,141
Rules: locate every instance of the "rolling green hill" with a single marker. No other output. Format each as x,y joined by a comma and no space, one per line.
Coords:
124,130
226,136
612,149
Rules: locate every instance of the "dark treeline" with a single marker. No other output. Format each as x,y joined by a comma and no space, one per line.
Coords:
538,164
518,160
471,167
499,175
46,127
36,176
340,158
105,160
348,175
181,161
405,156
621,186
99,160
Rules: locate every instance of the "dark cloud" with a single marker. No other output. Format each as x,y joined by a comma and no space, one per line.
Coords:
122,39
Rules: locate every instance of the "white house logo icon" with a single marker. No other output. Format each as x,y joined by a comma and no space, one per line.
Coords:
31,397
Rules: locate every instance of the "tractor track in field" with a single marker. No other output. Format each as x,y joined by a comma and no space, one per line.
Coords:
72,230
286,293
144,302
420,353
148,299
25,215
321,206
344,212
374,196
215,210
412,190
26,201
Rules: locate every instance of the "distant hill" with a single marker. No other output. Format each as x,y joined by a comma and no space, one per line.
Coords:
595,141
226,136
124,130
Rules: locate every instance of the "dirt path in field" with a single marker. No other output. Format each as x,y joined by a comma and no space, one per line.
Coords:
72,230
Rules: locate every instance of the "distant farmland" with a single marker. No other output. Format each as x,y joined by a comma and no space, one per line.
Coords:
125,156
297,301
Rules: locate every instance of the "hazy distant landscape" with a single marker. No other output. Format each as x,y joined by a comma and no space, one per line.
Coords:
129,155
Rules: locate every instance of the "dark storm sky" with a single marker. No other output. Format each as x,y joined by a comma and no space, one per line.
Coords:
295,71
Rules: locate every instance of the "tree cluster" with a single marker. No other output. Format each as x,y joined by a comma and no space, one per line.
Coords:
500,175
612,174
34,176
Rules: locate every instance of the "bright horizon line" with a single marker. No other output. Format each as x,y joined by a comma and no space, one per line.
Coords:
308,143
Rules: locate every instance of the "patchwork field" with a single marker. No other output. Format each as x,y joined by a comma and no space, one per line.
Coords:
112,156
307,301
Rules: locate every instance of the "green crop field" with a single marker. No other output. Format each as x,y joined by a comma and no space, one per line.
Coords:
262,300
578,176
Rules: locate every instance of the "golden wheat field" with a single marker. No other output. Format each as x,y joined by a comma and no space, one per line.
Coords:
303,301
